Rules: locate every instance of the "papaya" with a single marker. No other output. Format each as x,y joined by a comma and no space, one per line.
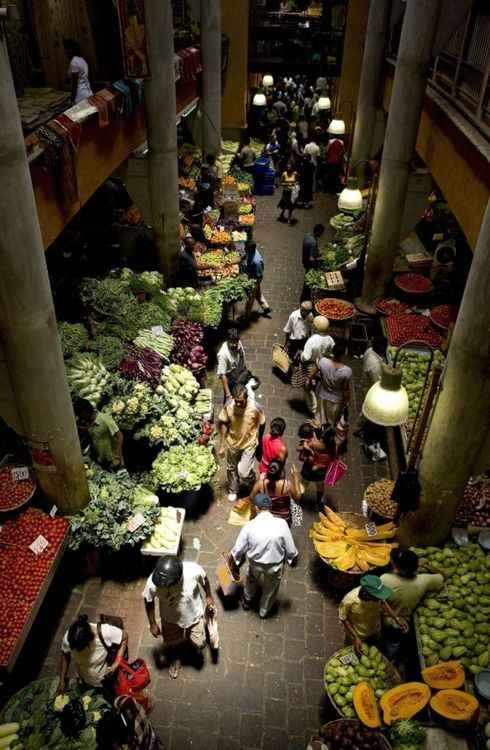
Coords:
365,705
454,704
347,560
404,701
331,550
445,675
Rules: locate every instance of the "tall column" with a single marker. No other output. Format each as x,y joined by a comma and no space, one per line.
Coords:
414,54
27,319
211,75
461,421
372,63
161,111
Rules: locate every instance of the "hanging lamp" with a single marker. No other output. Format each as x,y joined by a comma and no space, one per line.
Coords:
386,402
336,127
267,81
350,199
324,103
259,99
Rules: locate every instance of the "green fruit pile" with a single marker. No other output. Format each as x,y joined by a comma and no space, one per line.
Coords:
341,679
414,365
454,623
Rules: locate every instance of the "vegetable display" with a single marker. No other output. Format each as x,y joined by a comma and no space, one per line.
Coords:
188,350
315,279
109,349
391,306
365,704
475,506
74,338
455,705
407,733
132,405
187,303
173,429
340,222
378,497
334,255
404,701
87,377
13,492
401,329
161,343
447,674
181,469
167,532
414,283
335,309
346,734
141,364
455,623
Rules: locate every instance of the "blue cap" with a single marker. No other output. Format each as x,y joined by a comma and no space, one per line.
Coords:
263,501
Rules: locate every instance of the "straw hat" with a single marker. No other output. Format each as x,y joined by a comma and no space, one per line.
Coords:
320,324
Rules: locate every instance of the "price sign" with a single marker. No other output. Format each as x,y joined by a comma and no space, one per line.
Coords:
135,522
20,473
53,511
157,330
349,658
39,545
371,529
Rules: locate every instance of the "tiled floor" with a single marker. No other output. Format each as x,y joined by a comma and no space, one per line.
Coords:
266,690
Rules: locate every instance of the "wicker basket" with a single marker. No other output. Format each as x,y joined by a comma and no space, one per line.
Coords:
345,722
346,579
372,505
9,508
393,677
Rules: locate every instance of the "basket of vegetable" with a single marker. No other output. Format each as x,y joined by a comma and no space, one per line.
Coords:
413,283
378,498
14,493
409,327
335,309
345,734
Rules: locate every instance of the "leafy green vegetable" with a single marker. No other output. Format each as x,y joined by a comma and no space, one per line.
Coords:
406,732
109,349
74,337
315,279
180,469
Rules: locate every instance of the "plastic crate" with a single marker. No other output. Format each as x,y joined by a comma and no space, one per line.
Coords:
264,190
262,165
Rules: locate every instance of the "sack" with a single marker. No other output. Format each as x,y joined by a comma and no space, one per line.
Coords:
335,472
112,650
280,359
131,679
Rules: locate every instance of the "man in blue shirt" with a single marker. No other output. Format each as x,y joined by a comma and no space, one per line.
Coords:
254,268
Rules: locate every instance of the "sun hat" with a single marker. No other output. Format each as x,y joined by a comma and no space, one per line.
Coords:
375,586
263,501
320,323
168,571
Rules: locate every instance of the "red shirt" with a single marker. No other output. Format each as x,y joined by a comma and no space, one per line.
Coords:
271,448
335,152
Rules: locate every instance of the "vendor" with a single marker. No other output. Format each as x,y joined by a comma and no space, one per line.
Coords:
231,362
188,275
77,72
102,431
361,609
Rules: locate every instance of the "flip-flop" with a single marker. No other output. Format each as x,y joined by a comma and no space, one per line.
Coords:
174,669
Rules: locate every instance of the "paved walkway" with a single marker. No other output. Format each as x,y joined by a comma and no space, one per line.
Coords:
266,691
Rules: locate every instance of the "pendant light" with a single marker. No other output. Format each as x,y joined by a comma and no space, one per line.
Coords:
386,402
267,81
259,99
336,127
324,103
350,199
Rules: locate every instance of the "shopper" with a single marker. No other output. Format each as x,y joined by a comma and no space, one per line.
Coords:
179,588
334,164
240,422
290,191
319,344
298,328
254,268
361,609
77,72
231,362
334,384
102,433
267,544
126,727
281,490
188,275
311,251
306,177
246,156
273,446
272,150
312,149
317,450
84,641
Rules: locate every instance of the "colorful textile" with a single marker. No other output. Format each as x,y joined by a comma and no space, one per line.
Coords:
60,154
191,63
133,38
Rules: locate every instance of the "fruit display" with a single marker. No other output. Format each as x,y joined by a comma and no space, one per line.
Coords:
404,701
413,283
335,309
447,674
413,365
238,236
161,343
188,184
247,220
365,704
165,539
443,315
73,336
87,377
183,469
454,623
229,181
474,508
378,498
455,705
407,327
345,670
245,208
22,572
219,237
346,734
14,492
244,188
391,306
347,547
212,259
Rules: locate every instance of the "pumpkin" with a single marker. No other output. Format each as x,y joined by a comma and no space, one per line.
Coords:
447,674
365,705
404,701
454,704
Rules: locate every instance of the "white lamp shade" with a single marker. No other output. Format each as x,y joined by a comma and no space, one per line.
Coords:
324,103
386,402
268,81
259,100
350,200
336,127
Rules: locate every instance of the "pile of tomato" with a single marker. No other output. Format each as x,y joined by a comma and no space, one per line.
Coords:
408,327
391,306
414,283
22,573
14,493
443,315
335,309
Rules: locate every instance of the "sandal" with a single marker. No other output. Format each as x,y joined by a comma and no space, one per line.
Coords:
174,669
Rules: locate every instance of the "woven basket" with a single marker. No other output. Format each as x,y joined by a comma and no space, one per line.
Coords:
372,505
346,722
393,677
343,579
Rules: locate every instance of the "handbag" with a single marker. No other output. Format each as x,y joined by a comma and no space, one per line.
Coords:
280,359
131,679
335,472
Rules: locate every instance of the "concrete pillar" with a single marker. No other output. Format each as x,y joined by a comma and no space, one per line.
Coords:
161,111
461,422
414,54
27,319
211,75
372,63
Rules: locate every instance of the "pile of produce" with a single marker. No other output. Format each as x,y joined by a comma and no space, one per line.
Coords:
378,498
182,469
340,222
404,701
188,350
345,734
150,282
109,350
188,184
115,499
355,244
187,303
475,506
247,220
349,548
161,343
454,623
74,338
204,403
141,364
315,279
414,283
245,207
402,329
22,573
42,722
413,365
211,259
87,377
207,433
166,534
391,306
342,678
225,291
333,256
14,492
335,309
173,429
216,236
229,181
239,236
178,384
133,404
443,315
407,734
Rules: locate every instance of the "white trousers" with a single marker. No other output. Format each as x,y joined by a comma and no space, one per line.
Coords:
268,578
240,467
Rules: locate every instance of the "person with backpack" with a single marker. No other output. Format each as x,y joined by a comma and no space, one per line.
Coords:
126,726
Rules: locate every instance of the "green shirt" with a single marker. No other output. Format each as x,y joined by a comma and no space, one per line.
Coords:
102,434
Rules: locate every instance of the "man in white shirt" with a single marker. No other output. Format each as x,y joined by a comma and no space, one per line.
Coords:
298,328
178,587
313,149
231,362
320,344
267,544
83,642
